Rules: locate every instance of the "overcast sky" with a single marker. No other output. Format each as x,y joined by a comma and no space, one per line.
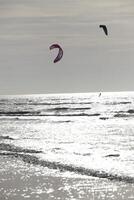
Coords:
91,62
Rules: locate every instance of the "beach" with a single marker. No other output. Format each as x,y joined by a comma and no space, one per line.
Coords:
19,180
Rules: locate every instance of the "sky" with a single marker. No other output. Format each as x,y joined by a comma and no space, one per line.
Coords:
92,62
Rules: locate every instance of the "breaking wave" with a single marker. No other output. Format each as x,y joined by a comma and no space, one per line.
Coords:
38,113
24,155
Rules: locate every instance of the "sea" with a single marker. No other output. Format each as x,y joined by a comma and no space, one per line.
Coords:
84,135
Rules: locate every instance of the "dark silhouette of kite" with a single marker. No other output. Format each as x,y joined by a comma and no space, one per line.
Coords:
104,29
60,53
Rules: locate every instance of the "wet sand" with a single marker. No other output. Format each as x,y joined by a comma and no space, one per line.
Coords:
20,180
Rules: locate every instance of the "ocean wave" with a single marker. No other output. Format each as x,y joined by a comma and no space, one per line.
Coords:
12,148
6,138
38,113
16,152
51,103
72,114
19,113
62,109
112,155
104,118
118,103
122,115
129,113
63,121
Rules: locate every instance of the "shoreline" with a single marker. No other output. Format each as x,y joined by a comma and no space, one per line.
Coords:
20,180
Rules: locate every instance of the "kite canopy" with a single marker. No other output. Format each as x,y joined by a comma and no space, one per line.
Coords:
60,53
104,29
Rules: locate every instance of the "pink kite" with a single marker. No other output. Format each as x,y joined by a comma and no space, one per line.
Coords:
60,53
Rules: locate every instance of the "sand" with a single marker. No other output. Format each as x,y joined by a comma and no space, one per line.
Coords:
20,180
